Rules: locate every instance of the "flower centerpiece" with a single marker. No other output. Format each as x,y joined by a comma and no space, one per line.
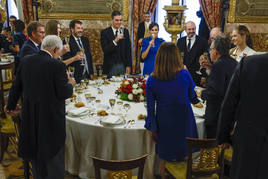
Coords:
132,89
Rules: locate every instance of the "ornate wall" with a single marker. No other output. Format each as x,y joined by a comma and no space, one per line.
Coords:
92,29
259,34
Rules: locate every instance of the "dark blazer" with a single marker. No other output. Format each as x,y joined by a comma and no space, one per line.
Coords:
43,84
191,59
120,53
246,104
141,31
28,48
216,86
78,68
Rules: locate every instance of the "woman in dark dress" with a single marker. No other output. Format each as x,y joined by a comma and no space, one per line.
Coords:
169,93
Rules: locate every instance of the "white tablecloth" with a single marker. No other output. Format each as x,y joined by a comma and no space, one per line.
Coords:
86,137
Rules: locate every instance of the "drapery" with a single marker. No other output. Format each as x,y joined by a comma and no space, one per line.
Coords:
140,7
212,11
28,10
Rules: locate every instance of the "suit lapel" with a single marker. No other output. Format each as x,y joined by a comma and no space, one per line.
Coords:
73,44
195,43
111,32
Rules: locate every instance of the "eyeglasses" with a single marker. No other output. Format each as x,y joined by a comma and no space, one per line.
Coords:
42,32
211,49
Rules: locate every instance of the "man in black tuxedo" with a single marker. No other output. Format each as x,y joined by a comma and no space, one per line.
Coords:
143,28
116,47
245,104
217,82
193,47
43,83
36,33
79,44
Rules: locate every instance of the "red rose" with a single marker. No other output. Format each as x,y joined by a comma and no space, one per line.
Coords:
144,91
129,90
129,86
124,90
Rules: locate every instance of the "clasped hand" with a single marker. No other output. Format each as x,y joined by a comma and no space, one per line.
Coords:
118,37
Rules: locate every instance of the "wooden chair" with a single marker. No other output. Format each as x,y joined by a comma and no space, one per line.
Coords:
5,84
119,168
208,163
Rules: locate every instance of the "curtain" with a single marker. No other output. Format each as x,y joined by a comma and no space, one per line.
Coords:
212,12
28,10
20,9
140,7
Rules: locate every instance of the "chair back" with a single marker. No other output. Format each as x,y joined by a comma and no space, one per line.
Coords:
5,82
211,158
119,167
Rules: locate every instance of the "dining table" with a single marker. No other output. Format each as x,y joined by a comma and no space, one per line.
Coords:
120,135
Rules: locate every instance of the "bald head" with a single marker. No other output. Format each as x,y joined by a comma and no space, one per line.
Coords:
216,31
190,29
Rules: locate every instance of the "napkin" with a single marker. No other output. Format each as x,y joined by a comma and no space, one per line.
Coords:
78,111
111,119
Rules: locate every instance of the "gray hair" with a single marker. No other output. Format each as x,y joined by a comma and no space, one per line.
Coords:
222,44
52,42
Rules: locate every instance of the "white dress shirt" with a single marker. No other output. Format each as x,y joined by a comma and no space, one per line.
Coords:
192,41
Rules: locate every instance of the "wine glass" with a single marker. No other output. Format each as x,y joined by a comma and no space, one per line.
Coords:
121,31
83,59
205,54
92,99
112,103
67,39
71,71
127,107
120,104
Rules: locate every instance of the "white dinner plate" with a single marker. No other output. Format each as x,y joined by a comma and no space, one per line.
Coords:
112,120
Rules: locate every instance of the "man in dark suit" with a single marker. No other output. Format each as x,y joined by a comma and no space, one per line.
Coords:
217,82
116,47
245,104
193,47
44,85
36,33
79,44
143,28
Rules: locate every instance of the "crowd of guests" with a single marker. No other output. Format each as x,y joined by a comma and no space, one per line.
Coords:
41,58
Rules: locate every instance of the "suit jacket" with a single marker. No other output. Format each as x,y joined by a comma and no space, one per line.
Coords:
245,103
43,84
141,31
216,86
28,48
191,58
120,53
78,68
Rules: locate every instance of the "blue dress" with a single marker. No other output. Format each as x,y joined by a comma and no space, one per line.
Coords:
150,59
172,119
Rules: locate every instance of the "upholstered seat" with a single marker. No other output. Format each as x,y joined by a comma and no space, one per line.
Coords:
207,165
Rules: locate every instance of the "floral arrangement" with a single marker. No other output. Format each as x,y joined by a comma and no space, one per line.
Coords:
132,89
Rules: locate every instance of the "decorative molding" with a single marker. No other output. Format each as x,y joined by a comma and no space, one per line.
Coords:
45,14
234,16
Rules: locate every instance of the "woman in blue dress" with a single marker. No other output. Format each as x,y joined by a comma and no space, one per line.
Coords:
150,45
169,94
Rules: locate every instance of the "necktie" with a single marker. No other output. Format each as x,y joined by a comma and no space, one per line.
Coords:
116,33
85,66
189,45
79,43
39,46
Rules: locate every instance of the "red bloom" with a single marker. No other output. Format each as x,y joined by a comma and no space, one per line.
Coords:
124,90
129,86
144,91
129,90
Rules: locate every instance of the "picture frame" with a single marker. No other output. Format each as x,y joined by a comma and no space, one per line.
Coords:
82,9
255,11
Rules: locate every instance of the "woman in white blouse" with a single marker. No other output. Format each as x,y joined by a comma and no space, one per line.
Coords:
242,40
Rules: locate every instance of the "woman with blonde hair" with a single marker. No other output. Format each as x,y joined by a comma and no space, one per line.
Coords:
53,28
242,40
169,94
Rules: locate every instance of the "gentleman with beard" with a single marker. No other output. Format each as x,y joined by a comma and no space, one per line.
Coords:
79,43
193,47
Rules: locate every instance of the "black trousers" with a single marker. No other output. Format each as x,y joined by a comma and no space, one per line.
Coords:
55,166
211,131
